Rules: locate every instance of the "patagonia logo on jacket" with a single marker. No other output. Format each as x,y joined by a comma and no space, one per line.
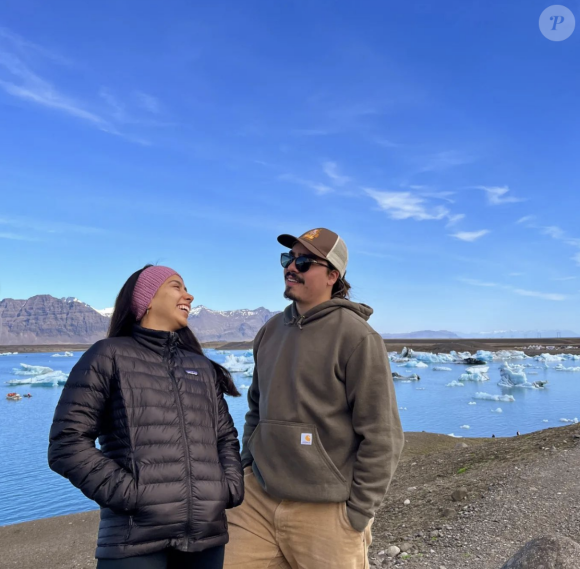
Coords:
191,372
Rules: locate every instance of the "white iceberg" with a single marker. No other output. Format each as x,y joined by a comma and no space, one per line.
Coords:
455,384
484,355
560,367
513,376
477,373
465,427
9,354
454,436
472,403
244,386
427,357
440,368
51,379
27,369
413,364
488,397
65,355
574,420
498,410
238,364
249,372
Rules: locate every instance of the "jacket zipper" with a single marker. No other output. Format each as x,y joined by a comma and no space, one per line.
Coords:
172,339
299,322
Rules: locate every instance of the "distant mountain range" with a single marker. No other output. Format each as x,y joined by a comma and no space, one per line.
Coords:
423,334
44,319
445,334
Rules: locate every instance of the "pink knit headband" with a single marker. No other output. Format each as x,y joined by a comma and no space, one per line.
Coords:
147,285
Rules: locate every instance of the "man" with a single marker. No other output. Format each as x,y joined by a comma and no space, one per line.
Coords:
322,436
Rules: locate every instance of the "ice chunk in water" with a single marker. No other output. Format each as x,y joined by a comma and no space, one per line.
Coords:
488,397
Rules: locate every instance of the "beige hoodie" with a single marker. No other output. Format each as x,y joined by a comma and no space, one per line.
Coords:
323,424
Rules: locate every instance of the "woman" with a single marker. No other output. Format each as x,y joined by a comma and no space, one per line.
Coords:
168,464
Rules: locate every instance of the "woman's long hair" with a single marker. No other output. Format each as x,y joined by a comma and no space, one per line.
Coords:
123,319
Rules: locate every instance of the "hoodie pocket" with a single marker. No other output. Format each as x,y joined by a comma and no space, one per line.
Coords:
293,464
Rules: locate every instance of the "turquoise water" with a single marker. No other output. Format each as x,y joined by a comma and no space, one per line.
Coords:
31,490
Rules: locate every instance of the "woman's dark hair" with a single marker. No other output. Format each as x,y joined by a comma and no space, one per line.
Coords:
123,319
341,288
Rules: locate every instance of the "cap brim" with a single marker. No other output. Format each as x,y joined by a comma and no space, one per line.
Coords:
289,241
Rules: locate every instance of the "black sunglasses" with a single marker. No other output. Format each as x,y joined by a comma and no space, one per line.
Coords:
303,262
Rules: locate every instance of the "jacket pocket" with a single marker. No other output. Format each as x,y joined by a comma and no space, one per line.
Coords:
293,464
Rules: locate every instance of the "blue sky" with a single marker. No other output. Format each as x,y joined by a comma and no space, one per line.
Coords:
440,140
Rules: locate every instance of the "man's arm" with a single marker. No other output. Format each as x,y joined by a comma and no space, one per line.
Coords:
375,419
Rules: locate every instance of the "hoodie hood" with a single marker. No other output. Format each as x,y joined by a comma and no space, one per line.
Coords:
292,317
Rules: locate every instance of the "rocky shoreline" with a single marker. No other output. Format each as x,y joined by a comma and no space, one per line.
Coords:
453,503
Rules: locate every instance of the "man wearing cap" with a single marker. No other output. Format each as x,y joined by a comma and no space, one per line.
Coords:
322,436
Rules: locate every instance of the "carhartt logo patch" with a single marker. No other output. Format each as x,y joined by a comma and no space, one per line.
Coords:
306,439
191,371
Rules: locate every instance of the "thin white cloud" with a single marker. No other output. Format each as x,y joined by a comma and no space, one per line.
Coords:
576,258
24,46
522,292
48,226
516,274
405,205
312,132
317,187
20,81
470,236
477,282
565,278
331,170
148,102
453,219
536,294
526,219
496,195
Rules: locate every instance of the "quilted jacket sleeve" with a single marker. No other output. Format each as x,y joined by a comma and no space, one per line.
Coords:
229,452
75,427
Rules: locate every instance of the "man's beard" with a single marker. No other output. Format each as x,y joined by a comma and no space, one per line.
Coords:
289,294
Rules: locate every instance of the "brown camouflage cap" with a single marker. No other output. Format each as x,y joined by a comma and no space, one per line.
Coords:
323,243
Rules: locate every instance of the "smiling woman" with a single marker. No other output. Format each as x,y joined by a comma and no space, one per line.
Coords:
168,464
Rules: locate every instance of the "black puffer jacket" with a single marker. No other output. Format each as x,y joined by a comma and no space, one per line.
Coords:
169,460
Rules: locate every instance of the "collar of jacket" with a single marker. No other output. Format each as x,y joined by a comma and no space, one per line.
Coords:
158,341
293,318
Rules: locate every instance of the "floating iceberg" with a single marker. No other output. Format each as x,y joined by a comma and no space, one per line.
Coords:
454,436
510,355
244,387
51,379
9,354
65,355
550,358
249,372
238,363
412,377
413,364
478,373
498,410
440,368
513,376
487,397
465,427
472,403
455,384
26,369
427,357
574,420
484,355
560,367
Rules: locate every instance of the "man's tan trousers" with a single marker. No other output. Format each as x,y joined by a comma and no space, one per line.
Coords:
266,533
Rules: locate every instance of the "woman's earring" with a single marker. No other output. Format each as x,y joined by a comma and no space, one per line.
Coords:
147,312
